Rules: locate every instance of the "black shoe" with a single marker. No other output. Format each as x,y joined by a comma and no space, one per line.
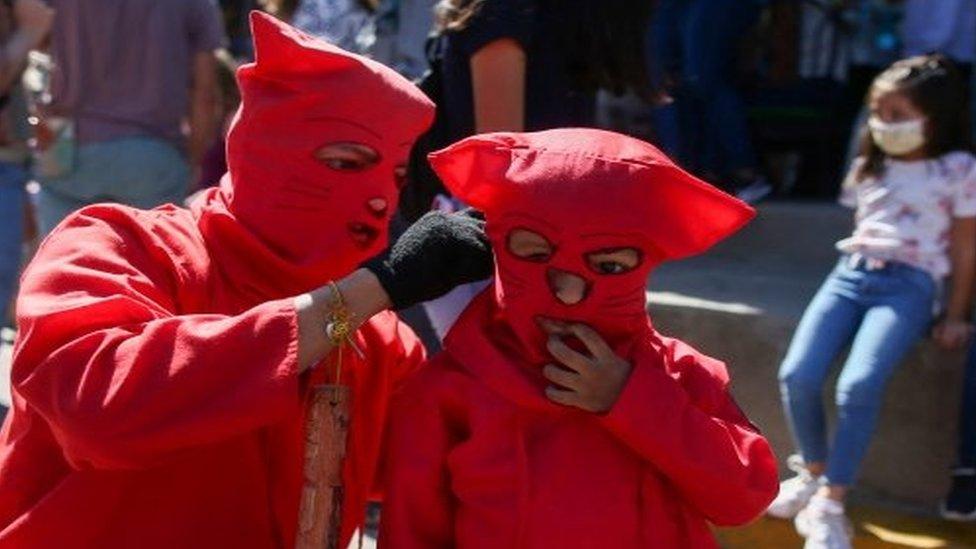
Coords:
960,504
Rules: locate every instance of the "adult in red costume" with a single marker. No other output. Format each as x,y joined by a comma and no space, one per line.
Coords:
631,439
163,356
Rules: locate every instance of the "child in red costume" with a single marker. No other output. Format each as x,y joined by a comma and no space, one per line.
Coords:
633,439
157,378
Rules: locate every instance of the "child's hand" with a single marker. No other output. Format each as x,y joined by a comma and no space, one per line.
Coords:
592,383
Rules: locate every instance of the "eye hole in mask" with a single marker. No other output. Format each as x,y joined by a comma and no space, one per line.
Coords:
614,261
348,156
529,245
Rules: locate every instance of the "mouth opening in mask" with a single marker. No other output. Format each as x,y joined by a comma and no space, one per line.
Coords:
362,234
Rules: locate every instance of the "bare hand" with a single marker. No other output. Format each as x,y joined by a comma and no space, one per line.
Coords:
34,17
592,383
952,334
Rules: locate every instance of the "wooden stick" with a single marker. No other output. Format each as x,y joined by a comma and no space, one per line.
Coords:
326,428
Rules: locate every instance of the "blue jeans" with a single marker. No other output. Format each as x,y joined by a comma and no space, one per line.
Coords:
12,196
885,311
141,172
663,47
967,414
701,37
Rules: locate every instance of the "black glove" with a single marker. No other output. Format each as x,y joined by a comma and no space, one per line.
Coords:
437,253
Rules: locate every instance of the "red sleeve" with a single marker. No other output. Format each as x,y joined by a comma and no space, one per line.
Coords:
407,354
418,512
124,381
695,434
411,354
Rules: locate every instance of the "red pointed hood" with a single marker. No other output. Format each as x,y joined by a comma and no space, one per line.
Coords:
303,220
584,191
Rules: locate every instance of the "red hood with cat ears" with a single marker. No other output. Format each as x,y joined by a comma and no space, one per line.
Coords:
587,177
587,193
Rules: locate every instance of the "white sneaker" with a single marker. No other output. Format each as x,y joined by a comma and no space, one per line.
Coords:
794,493
824,524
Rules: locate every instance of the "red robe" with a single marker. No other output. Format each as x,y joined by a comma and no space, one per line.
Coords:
156,400
481,459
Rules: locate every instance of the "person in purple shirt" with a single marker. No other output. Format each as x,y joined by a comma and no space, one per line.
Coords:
126,75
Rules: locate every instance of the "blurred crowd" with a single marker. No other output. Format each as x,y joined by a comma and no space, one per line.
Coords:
759,97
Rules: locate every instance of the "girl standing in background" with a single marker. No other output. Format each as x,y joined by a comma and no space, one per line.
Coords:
914,190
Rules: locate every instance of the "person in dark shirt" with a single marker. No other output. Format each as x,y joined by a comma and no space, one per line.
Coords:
536,64
531,65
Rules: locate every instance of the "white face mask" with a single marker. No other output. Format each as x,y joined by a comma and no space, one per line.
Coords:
897,138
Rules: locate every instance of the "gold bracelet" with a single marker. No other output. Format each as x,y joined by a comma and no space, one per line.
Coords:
339,328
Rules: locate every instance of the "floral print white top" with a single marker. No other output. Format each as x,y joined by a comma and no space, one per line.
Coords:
905,215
